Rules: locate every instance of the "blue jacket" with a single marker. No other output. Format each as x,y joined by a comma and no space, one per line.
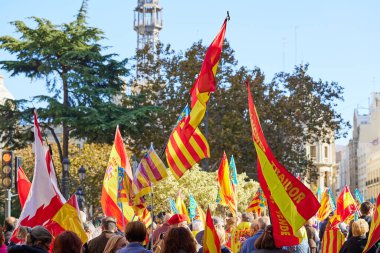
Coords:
134,247
249,244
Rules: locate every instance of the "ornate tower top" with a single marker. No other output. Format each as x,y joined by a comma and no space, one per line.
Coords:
147,23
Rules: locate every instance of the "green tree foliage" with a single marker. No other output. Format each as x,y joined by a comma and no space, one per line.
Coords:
85,86
294,108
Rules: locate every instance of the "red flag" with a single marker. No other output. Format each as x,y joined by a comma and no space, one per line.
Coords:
374,232
211,243
345,206
44,198
23,186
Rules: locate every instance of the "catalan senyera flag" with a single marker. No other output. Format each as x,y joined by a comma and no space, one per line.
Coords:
67,219
296,203
254,205
23,186
327,206
345,207
181,207
150,170
226,190
211,243
332,240
110,199
374,232
187,145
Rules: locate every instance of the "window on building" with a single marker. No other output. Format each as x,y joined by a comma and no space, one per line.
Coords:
326,152
313,152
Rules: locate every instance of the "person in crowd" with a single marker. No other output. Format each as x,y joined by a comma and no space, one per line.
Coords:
135,232
312,236
163,229
357,242
67,242
109,228
115,243
249,244
241,232
231,223
22,234
265,242
3,247
9,225
222,239
323,224
39,240
196,227
303,247
159,219
89,228
152,227
179,240
218,222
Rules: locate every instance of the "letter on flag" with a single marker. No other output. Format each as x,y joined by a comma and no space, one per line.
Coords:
327,205
150,170
23,186
296,203
187,145
44,198
110,199
211,243
226,190
374,232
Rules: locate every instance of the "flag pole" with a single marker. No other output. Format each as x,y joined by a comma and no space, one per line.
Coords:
152,214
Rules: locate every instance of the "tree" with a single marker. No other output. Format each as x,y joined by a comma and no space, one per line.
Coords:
85,86
294,108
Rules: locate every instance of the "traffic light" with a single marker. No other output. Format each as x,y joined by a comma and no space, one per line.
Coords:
6,169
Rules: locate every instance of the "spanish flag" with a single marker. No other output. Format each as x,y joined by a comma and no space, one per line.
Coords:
226,189
296,203
345,207
211,243
327,206
110,192
374,232
187,145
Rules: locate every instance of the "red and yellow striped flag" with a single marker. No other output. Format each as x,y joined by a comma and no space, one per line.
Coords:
226,191
110,191
345,207
187,145
332,240
254,206
374,232
211,243
326,208
296,203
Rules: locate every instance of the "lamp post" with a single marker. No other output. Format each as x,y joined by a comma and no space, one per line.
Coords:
65,177
80,192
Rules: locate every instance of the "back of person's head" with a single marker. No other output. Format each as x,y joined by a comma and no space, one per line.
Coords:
179,239
254,226
135,231
366,208
265,240
40,236
263,222
359,227
218,222
10,223
115,243
67,242
221,235
109,224
246,217
231,222
197,225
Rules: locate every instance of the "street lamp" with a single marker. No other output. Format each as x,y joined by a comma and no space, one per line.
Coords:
80,195
80,192
82,173
65,177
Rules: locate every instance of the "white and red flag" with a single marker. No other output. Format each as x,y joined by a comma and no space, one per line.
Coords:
44,198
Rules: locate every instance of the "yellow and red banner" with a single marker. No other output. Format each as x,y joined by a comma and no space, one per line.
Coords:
326,206
254,205
211,243
295,202
332,240
226,189
112,188
181,207
345,207
374,232
187,145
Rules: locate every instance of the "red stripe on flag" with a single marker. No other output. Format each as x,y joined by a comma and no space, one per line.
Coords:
110,208
179,153
172,163
201,144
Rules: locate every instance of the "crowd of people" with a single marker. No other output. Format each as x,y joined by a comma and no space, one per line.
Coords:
172,234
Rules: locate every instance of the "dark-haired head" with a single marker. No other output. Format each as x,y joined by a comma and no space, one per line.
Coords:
366,208
135,231
265,240
179,239
67,242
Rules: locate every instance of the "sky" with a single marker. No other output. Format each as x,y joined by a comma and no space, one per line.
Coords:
339,39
